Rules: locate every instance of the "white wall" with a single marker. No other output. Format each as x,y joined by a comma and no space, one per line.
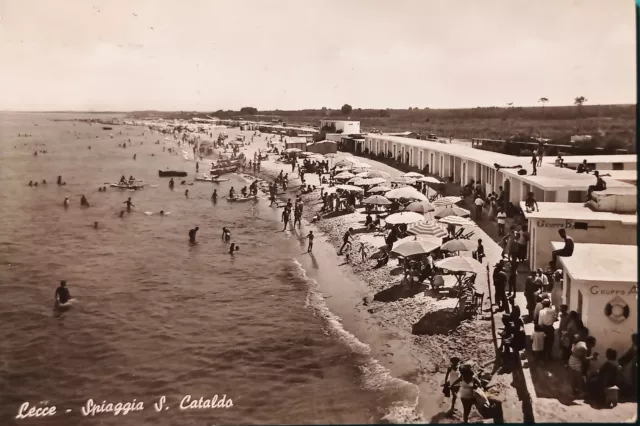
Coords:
543,231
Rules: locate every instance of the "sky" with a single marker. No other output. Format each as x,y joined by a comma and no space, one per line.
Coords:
205,55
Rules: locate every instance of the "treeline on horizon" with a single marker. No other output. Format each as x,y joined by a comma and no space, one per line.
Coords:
612,126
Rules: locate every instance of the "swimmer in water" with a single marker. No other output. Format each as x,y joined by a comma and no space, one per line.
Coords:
59,180
233,248
161,212
129,204
84,202
192,235
171,183
62,295
30,183
95,225
121,213
186,193
226,234
134,156
214,196
65,203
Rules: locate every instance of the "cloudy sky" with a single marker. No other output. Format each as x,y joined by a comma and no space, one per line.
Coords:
293,54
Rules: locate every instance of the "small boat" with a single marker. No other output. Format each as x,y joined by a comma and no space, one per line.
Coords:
223,170
242,199
171,173
126,186
211,179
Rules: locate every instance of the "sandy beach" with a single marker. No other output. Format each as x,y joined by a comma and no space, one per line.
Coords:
423,332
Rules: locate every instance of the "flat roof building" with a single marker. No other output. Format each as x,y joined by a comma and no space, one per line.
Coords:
583,225
600,282
462,163
599,162
345,127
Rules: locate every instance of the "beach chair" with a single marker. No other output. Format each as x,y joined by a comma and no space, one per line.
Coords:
466,236
458,233
478,300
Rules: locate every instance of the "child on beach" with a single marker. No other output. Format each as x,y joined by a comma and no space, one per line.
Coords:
363,252
451,376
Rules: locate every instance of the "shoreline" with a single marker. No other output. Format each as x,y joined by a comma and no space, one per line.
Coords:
416,358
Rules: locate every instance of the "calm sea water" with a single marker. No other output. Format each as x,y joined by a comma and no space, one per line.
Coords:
156,316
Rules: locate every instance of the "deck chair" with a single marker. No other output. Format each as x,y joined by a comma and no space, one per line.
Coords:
466,236
478,300
458,233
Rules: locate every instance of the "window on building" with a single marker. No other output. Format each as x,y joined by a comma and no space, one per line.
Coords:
577,196
617,166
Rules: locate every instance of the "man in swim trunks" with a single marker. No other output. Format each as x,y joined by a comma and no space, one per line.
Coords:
310,246
226,234
232,193
346,240
62,295
129,204
192,234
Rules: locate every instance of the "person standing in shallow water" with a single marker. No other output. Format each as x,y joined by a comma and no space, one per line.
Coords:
310,246
129,204
192,235
214,196
62,295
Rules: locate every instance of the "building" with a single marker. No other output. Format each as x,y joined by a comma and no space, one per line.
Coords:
461,163
340,126
601,284
295,142
582,224
323,147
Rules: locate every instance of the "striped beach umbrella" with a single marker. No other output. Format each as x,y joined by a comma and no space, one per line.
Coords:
458,221
378,174
379,189
420,207
427,228
450,210
447,201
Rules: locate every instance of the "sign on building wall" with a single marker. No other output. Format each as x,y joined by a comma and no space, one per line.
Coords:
566,224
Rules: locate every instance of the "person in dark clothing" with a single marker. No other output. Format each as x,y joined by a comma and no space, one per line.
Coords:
582,168
513,278
534,164
62,295
192,234
129,204
310,246
600,185
479,253
530,290
500,284
606,377
631,357
346,240
565,251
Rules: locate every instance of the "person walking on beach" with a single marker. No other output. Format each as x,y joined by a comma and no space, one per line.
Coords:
285,218
450,377
129,204
192,235
467,383
297,218
310,246
479,205
363,252
540,153
346,240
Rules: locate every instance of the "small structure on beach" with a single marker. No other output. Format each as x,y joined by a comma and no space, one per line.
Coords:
582,223
601,284
295,142
323,147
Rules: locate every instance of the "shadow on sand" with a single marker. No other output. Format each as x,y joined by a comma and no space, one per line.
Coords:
399,291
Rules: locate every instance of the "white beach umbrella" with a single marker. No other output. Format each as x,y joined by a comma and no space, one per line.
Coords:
368,182
413,175
457,220
430,238
451,210
343,163
417,247
420,207
344,175
406,192
404,218
427,228
403,180
377,200
379,189
460,264
446,201
362,174
349,188
378,174
459,245
429,179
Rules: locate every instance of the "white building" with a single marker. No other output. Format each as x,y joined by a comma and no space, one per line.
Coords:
347,127
601,284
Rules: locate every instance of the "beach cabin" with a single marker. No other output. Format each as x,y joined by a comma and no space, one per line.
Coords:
323,147
296,142
600,282
582,223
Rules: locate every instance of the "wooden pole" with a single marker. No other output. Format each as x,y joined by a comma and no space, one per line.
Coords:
493,322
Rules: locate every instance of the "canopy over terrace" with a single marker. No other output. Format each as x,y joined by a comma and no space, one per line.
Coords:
463,163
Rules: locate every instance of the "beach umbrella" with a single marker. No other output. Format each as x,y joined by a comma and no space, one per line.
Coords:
413,175
441,212
427,228
362,174
349,188
406,192
461,264
429,179
404,217
343,163
361,166
403,180
447,201
420,207
342,169
457,220
291,150
380,189
368,182
459,245
430,238
378,174
416,247
377,200
344,175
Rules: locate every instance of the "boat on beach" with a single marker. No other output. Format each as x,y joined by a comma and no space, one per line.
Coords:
212,179
171,173
134,186
222,170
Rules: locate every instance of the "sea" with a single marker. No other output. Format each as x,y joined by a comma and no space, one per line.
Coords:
271,329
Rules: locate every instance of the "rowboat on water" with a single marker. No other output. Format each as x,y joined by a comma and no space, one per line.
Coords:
242,199
126,186
171,173
223,170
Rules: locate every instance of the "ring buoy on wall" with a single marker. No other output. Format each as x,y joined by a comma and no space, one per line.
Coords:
617,310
